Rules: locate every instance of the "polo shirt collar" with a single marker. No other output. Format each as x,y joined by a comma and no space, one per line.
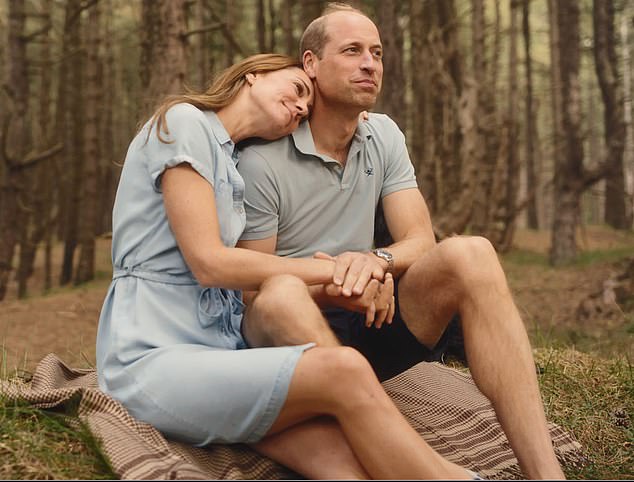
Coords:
304,142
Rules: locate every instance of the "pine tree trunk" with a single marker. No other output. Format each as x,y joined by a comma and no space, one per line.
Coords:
532,171
73,138
507,213
569,166
628,155
290,43
163,54
420,142
17,140
392,101
260,25
606,65
309,11
107,140
487,144
87,226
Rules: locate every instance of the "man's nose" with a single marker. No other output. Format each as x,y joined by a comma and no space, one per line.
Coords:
367,61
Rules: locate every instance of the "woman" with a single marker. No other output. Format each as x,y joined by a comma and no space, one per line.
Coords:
169,345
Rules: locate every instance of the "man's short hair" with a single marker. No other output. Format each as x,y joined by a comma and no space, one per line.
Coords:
315,36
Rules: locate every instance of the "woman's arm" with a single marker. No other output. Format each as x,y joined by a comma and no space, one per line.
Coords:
191,212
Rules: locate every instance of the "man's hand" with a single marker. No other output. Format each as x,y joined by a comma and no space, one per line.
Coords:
353,271
376,301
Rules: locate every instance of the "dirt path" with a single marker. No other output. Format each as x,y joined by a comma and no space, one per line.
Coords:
65,322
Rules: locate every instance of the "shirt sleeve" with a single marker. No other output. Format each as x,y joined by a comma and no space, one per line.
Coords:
398,170
188,141
261,196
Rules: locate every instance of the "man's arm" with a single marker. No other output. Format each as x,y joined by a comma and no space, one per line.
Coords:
267,245
409,223
376,300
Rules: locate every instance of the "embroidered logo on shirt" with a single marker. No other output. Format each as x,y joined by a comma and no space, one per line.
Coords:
369,171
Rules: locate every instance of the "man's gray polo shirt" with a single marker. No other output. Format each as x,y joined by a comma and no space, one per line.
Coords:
313,204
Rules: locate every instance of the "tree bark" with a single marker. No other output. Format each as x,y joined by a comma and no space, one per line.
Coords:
446,169
74,137
606,66
628,155
91,158
487,133
392,100
163,55
15,140
532,170
568,184
107,184
309,11
37,201
290,43
420,142
505,206
260,25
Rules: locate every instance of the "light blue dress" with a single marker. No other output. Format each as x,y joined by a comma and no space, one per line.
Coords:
170,350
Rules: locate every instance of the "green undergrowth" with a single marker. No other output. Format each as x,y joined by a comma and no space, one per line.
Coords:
584,258
593,397
46,445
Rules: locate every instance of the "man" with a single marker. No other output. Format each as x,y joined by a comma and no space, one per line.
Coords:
317,190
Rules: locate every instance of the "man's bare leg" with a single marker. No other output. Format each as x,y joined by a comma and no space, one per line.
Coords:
463,275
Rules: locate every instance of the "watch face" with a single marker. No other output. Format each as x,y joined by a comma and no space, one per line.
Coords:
386,255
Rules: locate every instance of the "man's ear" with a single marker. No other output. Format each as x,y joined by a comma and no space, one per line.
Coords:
250,78
309,60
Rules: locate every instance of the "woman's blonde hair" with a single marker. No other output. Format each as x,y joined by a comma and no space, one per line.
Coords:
224,88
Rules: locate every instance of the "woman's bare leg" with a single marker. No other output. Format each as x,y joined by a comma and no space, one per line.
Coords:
339,382
317,449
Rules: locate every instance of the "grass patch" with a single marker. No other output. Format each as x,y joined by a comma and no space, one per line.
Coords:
588,258
524,257
42,445
594,398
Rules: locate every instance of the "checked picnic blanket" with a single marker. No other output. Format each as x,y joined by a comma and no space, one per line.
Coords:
441,403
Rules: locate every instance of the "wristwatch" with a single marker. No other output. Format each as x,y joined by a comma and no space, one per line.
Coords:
387,256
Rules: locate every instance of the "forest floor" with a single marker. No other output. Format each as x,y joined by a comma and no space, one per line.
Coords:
597,349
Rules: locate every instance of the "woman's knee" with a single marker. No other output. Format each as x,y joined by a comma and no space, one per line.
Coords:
276,292
347,375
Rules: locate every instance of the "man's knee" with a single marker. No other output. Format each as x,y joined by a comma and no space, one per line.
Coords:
469,258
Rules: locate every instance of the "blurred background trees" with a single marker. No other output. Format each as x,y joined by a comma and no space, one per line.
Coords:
517,112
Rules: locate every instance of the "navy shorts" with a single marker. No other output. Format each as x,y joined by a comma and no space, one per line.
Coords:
392,348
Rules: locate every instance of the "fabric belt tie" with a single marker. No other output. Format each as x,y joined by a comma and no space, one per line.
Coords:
159,276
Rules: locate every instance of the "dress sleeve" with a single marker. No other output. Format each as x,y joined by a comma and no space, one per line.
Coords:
189,140
261,196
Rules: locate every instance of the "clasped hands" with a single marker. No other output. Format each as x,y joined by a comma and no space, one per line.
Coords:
360,284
